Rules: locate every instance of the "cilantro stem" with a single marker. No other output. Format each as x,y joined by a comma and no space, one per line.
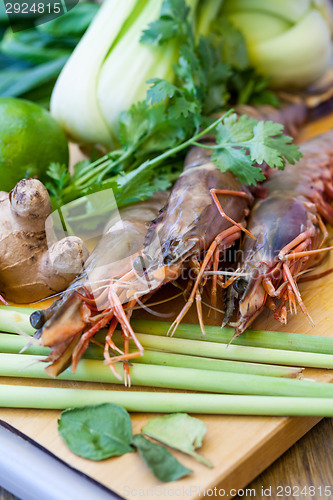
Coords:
183,145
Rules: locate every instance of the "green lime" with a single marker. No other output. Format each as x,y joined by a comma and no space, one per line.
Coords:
30,139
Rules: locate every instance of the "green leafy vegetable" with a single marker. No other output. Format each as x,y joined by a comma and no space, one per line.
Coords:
180,431
96,432
164,465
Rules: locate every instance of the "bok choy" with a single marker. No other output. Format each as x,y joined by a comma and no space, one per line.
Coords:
288,40
107,72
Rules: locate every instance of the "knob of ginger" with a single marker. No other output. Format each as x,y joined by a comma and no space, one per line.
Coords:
30,267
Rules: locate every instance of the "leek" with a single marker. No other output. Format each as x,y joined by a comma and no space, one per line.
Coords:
290,10
14,396
116,93
28,366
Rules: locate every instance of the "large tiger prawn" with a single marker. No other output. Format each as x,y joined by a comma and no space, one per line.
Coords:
290,233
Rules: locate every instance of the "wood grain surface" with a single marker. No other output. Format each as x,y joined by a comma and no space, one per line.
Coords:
239,447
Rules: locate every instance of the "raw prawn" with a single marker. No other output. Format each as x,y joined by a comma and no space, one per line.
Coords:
290,233
93,300
193,228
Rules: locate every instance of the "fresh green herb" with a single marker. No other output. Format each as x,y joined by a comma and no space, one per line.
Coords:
235,139
97,432
179,431
102,431
164,465
245,143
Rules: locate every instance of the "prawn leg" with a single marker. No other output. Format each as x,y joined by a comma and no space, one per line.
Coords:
216,243
214,192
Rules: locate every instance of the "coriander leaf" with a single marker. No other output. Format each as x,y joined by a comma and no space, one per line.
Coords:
164,465
175,9
213,77
259,148
171,24
271,146
184,107
291,152
159,32
235,130
139,122
234,48
180,431
239,163
57,178
160,90
97,431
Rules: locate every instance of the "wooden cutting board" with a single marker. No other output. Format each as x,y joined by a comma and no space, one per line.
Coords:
239,447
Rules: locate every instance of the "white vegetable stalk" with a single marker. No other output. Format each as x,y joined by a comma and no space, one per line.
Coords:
74,102
108,70
123,76
290,10
288,41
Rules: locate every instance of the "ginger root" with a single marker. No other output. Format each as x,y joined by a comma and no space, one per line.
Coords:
30,268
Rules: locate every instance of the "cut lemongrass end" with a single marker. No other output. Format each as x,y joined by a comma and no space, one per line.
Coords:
14,344
13,365
258,338
16,320
14,396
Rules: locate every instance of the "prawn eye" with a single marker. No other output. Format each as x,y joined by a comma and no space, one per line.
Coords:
240,285
141,263
37,319
170,257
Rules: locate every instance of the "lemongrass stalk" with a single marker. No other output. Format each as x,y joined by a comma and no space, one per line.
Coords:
13,344
311,349
257,338
14,396
201,363
16,320
15,365
233,352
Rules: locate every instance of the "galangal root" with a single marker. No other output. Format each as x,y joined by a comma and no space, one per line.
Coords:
32,267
